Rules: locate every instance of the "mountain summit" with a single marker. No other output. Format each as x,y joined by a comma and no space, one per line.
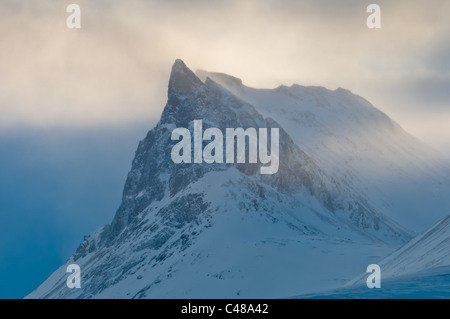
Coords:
197,230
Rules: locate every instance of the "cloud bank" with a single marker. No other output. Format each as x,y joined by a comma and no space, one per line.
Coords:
114,70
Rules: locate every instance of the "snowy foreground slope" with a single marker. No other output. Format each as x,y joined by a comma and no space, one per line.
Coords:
427,251
419,269
429,284
226,231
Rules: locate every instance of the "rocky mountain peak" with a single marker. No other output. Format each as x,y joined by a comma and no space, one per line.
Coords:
182,80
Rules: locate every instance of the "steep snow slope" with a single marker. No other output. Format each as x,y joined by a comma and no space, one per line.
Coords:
427,251
354,142
419,269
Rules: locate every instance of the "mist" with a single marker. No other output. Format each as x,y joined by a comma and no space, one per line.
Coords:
114,70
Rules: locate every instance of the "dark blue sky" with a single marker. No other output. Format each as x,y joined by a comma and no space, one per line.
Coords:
55,187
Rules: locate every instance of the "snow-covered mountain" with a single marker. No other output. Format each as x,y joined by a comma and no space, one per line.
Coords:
357,144
225,230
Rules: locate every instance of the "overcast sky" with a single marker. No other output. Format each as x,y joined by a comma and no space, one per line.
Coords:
114,70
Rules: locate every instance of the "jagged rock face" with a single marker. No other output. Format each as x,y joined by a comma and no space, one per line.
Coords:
170,213
153,173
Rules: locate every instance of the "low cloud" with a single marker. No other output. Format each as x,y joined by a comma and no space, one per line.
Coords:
114,70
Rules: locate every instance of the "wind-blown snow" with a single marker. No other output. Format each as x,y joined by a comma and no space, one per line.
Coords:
355,142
